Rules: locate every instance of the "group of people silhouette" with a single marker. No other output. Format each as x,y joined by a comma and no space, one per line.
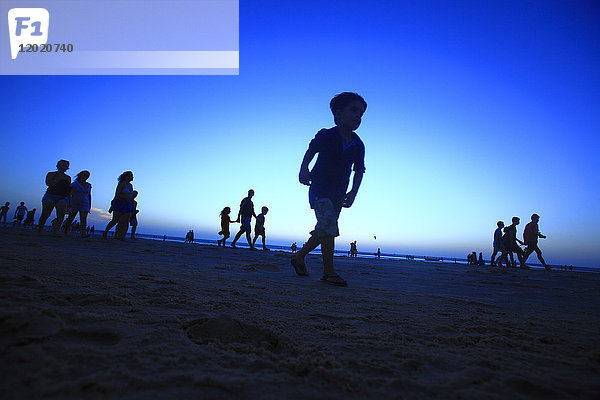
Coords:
506,243
69,198
340,151
22,214
244,217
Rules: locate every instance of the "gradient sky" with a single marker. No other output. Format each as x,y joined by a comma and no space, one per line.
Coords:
477,111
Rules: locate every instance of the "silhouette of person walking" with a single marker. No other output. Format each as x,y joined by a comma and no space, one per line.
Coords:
56,196
225,221
245,216
259,227
531,233
20,213
509,240
81,202
122,206
133,219
29,218
498,246
339,149
3,211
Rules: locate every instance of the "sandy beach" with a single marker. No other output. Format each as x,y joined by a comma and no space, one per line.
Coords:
100,318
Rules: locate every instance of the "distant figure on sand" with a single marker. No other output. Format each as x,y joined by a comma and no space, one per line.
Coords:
122,206
294,247
509,241
378,254
3,211
498,246
472,258
56,196
29,218
480,261
245,217
133,219
339,149
81,202
259,227
353,249
20,213
531,233
225,221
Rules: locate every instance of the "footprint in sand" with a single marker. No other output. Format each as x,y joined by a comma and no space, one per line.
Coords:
94,337
22,327
226,330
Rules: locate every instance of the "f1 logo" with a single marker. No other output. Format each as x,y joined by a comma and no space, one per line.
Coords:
27,26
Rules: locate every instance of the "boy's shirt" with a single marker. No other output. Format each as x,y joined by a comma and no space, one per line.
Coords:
510,236
260,221
498,237
21,210
331,174
530,233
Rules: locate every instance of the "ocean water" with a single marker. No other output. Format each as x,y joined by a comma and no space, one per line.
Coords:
391,256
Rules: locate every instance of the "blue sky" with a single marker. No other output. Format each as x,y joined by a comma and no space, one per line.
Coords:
477,111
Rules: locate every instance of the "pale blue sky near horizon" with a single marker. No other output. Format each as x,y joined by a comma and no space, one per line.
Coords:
477,111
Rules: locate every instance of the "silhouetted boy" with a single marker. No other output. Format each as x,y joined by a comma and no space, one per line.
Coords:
29,218
259,227
20,213
3,211
339,149
509,241
530,237
245,217
498,246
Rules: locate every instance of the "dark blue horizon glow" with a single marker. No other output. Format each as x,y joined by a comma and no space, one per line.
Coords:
476,113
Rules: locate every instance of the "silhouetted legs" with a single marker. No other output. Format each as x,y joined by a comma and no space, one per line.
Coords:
122,222
263,241
530,249
494,253
327,245
83,224
238,235
47,207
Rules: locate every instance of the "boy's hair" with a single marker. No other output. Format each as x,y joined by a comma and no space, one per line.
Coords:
265,209
516,219
341,101
124,175
534,216
499,223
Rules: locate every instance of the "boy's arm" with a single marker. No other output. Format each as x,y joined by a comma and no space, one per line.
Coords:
349,199
304,175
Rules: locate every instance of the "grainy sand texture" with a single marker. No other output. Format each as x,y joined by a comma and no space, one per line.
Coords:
147,319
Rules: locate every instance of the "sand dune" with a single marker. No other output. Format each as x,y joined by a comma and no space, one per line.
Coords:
148,319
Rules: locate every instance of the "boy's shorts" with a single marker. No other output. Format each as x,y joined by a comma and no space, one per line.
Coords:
246,224
327,219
